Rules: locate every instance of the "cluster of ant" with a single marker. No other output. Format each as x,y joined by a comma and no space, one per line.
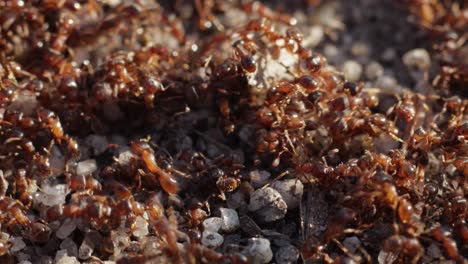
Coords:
217,101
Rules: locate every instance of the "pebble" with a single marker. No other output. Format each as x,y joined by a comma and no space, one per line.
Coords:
351,244
287,254
98,143
141,227
230,220
236,200
388,83
352,70
258,251
67,260
268,204
360,49
374,70
433,251
212,239
418,59
291,191
17,244
314,36
212,224
52,194
70,246
86,167
258,178
66,229
86,249
125,156
386,257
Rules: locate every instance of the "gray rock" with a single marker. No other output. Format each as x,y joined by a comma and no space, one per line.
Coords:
418,59
352,70
291,191
287,254
258,251
268,204
230,219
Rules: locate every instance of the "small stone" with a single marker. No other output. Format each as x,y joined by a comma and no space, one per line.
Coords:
212,239
258,178
67,260
230,219
98,143
70,247
86,167
86,249
212,224
388,83
52,194
64,231
433,251
125,156
314,37
17,244
418,59
287,254
258,251
141,227
268,204
386,257
290,190
374,70
352,70
389,54
360,49
236,200
331,51
352,243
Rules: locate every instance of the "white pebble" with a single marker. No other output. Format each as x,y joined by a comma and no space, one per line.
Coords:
86,249
212,224
291,191
268,204
418,59
287,254
66,229
258,178
352,70
141,227
52,194
386,257
360,49
314,37
86,167
230,219
17,244
374,70
125,155
212,239
67,260
258,251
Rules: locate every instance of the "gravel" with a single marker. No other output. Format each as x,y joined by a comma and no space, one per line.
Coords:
268,205
230,220
290,190
212,239
212,224
287,255
258,251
